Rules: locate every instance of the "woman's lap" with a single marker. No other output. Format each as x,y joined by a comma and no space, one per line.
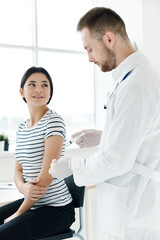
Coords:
37,223
8,209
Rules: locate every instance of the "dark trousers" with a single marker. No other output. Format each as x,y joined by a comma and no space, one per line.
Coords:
35,224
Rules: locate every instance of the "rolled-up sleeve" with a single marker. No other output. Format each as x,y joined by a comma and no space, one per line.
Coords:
55,126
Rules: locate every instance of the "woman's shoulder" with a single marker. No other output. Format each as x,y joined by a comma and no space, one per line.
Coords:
54,124
54,116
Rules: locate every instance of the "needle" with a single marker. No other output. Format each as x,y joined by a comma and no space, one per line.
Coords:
71,141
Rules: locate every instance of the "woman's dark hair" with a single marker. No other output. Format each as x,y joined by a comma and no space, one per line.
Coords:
32,70
98,20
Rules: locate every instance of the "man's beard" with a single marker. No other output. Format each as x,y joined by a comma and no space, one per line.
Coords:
110,62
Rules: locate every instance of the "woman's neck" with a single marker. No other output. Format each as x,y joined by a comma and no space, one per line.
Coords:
36,114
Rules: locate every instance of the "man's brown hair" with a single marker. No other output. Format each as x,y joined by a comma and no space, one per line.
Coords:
99,20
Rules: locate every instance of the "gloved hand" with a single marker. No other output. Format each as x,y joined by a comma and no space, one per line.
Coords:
88,138
60,168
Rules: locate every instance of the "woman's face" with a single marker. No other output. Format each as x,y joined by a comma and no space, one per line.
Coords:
36,89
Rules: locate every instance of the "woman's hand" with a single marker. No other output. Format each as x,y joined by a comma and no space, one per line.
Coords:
32,191
16,214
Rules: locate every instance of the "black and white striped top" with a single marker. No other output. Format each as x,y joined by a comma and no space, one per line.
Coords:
29,153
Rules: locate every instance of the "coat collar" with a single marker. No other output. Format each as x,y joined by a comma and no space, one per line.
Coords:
128,64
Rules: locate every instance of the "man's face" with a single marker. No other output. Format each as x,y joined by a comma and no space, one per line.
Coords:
98,52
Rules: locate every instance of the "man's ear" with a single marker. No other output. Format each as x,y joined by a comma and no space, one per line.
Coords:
109,39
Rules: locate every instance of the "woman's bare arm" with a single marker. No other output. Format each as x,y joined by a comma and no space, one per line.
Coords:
52,150
30,189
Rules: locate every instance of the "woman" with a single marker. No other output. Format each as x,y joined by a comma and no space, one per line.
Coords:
47,207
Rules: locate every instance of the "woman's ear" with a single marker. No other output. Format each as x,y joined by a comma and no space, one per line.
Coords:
109,39
21,92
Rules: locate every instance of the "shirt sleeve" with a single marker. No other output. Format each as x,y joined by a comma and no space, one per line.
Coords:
134,111
55,126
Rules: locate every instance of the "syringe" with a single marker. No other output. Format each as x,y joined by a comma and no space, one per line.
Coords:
72,140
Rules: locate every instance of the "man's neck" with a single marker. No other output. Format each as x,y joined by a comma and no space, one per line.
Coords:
124,49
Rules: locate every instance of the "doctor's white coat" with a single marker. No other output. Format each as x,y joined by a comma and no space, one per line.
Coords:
127,165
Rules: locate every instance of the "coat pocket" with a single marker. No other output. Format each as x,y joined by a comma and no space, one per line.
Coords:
112,208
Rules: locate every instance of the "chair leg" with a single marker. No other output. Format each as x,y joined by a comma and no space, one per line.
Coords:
78,236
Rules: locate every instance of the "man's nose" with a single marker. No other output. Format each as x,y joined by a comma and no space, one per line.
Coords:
90,58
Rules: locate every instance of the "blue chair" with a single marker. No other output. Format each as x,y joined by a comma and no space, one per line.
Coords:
78,200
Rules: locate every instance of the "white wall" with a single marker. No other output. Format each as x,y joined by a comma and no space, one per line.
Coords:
151,32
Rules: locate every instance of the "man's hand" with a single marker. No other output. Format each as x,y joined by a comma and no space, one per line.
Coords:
60,168
32,191
88,138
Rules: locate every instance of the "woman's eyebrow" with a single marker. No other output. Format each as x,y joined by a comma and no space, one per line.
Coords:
32,81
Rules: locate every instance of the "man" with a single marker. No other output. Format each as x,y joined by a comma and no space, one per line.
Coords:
127,165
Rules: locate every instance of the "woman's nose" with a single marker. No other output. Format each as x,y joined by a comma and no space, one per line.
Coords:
38,90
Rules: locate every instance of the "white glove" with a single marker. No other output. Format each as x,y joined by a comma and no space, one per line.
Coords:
60,168
88,138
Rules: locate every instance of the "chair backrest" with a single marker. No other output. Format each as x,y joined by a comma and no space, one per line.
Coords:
76,192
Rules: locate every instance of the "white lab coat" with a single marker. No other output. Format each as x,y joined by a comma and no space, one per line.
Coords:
128,205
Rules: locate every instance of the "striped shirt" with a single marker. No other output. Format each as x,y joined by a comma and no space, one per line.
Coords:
29,153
